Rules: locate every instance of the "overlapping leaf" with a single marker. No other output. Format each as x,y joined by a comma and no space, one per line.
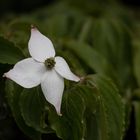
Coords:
113,41
92,109
9,54
137,116
13,95
110,116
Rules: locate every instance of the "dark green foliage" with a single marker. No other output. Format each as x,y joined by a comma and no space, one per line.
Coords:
102,45
9,54
90,109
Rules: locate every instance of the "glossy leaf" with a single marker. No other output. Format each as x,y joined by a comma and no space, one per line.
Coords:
32,109
94,110
92,58
57,26
13,92
137,60
112,40
75,102
9,53
137,119
110,116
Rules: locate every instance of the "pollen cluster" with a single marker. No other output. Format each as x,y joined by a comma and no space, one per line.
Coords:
50,63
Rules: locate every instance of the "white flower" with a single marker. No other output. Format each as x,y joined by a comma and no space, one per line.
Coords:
43,68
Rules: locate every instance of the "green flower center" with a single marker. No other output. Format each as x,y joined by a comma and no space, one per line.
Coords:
50,63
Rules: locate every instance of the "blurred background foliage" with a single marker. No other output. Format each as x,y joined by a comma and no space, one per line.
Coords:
95,37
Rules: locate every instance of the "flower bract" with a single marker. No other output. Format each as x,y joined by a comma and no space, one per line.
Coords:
44,68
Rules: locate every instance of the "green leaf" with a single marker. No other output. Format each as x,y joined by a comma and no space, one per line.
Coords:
13,96
77,111
92,58
137,60
32,109
59,124
9,53
91,109
112,40
57,26
137,119
75,102
110,114
69,126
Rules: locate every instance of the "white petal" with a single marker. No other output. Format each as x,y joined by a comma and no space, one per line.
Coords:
63,69
53,86
27,73
40,47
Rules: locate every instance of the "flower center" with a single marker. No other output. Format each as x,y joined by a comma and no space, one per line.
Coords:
50,63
